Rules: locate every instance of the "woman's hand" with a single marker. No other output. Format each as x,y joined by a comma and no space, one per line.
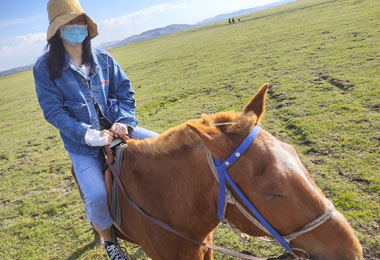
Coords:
119,129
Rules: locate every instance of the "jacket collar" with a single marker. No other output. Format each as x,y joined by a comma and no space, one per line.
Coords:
98,62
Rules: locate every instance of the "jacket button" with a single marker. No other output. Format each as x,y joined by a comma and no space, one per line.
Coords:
95,119
83,81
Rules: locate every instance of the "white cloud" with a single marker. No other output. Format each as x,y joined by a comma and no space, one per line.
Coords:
126,19
133,23
18,21
24,50
21,50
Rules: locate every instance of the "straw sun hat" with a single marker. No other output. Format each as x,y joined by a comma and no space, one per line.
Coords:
63,11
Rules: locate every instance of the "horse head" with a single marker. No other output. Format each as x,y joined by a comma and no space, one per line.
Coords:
274,180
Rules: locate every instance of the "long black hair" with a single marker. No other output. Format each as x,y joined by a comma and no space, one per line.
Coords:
56,55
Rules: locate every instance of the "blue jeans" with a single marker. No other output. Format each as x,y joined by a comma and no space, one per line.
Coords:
88,171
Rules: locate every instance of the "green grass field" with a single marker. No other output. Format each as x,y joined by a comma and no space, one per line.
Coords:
322,60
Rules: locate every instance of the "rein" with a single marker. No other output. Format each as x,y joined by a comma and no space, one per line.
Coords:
219,170
164,225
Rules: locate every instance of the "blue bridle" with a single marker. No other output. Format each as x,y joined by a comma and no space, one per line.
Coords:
221,168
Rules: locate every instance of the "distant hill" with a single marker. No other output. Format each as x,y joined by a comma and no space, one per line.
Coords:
15,70
107,45
151,34
174,28
170,29
242,12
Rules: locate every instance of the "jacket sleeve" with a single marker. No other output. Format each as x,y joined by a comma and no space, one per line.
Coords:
124,95
53,108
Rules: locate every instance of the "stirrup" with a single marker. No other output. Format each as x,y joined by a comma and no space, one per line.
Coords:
97,238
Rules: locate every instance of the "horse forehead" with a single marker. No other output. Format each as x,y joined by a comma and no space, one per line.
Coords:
280,153
286,156
288,161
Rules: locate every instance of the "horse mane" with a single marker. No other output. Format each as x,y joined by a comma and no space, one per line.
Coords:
176,137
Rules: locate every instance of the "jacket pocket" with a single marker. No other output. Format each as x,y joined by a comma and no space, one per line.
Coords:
112,109
113,105
77,110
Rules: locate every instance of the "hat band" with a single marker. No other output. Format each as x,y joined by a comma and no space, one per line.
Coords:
62,14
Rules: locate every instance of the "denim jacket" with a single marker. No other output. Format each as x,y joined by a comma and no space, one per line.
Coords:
67,103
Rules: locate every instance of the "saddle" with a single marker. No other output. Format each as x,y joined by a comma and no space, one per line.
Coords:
109,149
113,154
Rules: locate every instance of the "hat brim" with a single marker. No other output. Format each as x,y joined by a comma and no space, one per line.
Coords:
64,19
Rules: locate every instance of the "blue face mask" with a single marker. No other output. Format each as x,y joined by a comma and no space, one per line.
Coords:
74,33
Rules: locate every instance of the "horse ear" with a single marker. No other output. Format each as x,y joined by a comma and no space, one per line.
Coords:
207,134
257,103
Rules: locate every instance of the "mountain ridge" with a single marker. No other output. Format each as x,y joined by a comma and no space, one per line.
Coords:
175,28
164,31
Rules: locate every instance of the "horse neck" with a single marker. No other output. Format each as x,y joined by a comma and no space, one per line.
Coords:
178,186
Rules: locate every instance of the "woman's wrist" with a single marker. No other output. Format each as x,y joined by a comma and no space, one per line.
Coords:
93,138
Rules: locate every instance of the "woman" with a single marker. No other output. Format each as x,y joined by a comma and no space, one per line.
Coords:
86,95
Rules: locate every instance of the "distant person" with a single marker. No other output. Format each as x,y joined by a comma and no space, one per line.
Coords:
86,95
229,20
233,20
238,19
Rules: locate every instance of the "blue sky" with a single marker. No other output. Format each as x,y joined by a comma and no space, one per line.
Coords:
23,23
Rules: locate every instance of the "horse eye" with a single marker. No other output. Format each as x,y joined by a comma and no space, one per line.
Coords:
277,195
273,195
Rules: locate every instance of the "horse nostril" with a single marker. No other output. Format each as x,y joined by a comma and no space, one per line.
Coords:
316,257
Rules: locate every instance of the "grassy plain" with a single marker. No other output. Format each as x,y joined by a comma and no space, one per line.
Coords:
322,59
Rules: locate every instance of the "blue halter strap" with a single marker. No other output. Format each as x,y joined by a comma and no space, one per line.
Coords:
221,168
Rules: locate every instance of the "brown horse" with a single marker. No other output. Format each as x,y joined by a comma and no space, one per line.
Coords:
170,179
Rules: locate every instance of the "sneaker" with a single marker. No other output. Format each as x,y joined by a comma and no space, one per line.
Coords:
114,252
